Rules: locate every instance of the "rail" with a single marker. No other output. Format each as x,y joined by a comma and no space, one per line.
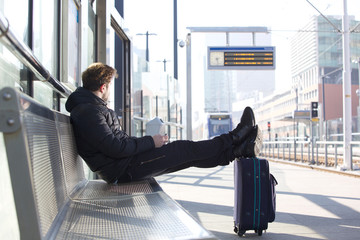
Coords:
27,57
327,153
172,124
177,126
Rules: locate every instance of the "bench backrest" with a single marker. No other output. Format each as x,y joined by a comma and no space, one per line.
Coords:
43,163
72,162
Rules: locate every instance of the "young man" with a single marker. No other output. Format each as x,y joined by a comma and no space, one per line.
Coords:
117,157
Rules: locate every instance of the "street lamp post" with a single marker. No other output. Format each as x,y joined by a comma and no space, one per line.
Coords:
147,34
347,162
358,62
164,61
175,41
168,96
358,90
297,87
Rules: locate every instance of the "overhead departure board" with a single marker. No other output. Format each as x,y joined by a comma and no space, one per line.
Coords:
241,58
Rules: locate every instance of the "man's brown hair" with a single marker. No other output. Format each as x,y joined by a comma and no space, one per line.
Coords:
96,75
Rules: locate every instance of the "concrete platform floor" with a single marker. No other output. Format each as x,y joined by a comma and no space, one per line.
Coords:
311,204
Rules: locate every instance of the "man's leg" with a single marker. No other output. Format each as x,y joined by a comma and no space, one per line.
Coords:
243,141
179,155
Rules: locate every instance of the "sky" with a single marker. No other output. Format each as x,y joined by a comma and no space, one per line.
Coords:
282,17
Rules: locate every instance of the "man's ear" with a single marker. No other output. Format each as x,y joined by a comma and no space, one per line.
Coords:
102,88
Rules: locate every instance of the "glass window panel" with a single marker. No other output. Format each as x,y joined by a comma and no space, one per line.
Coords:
44,94
12,71
17,16
73,43
91,36
45,46
8,221
45,34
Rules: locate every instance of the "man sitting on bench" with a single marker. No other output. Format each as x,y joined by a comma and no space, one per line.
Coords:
117,157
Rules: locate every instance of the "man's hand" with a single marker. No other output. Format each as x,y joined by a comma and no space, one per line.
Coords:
160,140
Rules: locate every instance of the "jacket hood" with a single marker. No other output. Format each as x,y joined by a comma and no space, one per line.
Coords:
82,96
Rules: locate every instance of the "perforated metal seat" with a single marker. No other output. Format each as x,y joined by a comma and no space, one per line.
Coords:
53,198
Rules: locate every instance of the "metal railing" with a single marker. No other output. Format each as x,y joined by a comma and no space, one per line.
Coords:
27,57
177,126
327,153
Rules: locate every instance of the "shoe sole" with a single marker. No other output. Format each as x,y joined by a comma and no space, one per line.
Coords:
258,142
252,115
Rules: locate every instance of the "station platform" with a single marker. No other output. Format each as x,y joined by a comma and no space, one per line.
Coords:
311,203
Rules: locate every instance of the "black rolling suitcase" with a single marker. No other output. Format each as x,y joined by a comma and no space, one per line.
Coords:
255,198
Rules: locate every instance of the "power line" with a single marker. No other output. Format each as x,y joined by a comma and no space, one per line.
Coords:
328,20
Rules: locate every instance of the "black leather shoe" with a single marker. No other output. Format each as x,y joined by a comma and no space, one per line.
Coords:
247,123
251,146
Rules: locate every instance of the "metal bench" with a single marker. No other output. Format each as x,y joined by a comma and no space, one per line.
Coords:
53,198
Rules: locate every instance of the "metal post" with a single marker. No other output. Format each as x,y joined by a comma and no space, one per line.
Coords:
323,106
147,45
253,39
351,154
358,94
142,111
336,155
289,151
359,78
176,120
156,105
188,89
283,151
297,108
326,154
312,143
346,90
309,153
227,38
294,142
175,42
317,154
169,120
180,117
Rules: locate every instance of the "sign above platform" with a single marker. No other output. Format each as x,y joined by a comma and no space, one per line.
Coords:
241,58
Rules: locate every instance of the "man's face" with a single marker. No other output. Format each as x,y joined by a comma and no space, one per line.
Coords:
106,93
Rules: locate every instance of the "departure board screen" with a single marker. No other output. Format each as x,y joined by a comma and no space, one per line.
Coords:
241,58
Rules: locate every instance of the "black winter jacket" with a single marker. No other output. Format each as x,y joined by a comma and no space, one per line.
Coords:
106,149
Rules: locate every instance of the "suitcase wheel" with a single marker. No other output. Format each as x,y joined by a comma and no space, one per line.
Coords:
241,233
259,232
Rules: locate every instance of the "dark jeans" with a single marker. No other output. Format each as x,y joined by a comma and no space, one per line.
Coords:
179,155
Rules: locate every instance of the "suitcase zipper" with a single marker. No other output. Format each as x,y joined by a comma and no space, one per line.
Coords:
259,179
254,215
257,184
